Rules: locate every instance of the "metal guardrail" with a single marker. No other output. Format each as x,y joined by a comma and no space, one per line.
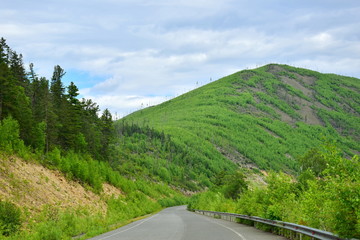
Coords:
308,231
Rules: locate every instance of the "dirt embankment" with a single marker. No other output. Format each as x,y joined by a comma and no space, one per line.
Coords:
31,186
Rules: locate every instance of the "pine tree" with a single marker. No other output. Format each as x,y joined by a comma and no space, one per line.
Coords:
42,108
13,100
4,75
72,94
71,120
57,88
91,127
4,49
18,70
107,130
57,93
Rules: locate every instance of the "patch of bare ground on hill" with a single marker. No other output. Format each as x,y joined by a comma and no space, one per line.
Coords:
297,85
32,186
301,83
236,157
307,113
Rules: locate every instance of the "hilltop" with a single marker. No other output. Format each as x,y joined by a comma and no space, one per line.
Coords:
263,118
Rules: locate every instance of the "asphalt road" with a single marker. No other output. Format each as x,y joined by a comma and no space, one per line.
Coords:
177,223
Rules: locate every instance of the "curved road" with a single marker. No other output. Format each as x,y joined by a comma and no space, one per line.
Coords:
177,223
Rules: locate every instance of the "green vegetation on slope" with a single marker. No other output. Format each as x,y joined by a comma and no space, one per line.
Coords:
263,118
44,122
326,194
147,152
138,197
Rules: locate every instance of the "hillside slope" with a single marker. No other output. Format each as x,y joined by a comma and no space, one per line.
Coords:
54,205
33,186
54,160
262,118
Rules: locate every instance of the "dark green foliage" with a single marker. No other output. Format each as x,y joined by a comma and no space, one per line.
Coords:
49,114
10,218
313,161
39,136
13,100
107,130
235,185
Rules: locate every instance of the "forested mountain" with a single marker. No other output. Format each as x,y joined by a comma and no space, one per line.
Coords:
263,118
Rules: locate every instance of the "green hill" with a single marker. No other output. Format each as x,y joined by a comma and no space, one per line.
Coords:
263,118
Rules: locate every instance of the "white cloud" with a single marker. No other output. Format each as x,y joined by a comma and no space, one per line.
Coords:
122,105
162,48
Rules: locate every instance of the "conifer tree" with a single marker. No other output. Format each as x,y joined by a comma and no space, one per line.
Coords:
107,131
91,127
13,100
71,119
58,100
18,70
57,88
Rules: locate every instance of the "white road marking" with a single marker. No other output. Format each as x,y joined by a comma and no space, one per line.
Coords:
128,228
241,236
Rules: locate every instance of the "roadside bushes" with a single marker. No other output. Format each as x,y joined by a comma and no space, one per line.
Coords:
84,168
173,201
10,218
326,197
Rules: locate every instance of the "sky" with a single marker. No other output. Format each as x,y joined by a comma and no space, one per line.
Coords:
129,54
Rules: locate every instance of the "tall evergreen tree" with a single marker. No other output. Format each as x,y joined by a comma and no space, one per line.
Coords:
4,49
18,70
4,75
72,94
13,100
57,91
57,88
107,130
91,127
71,120
42,108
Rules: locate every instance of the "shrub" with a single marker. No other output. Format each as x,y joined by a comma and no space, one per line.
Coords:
10,135
49,231
10,218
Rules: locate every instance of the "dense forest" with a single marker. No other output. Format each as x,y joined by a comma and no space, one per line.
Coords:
49,114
